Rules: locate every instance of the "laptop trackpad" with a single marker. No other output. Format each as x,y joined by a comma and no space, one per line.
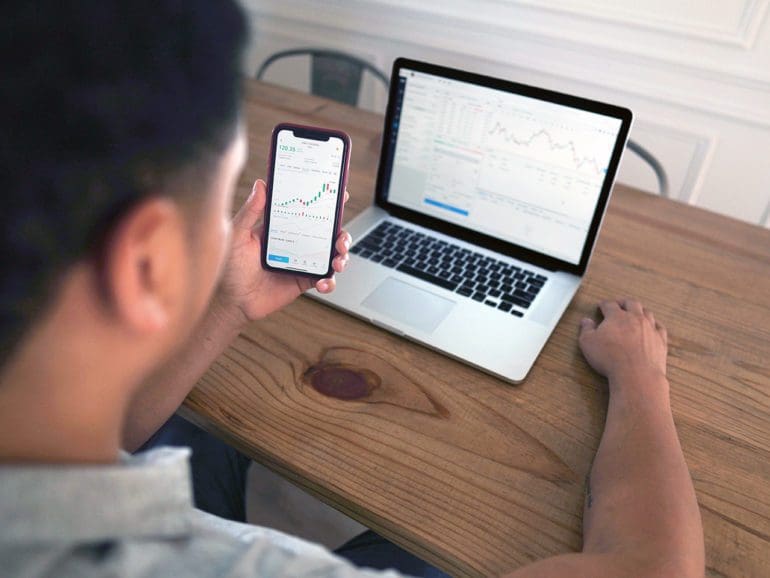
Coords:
422,310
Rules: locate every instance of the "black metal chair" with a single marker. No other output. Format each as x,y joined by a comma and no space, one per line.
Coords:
649,158
333,74
337,75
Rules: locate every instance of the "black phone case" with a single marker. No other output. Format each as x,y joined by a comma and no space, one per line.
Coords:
340,202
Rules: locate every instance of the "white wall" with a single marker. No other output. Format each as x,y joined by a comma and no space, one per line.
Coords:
696,73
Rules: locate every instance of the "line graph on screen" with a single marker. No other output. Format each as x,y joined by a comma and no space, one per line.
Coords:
579,162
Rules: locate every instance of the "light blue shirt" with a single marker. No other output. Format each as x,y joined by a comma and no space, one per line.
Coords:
136,519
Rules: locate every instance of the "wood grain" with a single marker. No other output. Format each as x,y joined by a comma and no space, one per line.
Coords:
481,477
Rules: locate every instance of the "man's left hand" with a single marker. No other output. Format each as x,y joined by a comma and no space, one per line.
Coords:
247,292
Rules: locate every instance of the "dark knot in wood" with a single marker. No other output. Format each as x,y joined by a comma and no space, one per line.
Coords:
342,381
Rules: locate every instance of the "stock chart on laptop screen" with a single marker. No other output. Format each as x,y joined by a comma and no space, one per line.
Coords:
521,169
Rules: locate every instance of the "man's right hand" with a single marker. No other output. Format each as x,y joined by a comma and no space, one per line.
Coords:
627,342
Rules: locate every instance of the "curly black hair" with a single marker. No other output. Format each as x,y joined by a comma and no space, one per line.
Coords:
101,100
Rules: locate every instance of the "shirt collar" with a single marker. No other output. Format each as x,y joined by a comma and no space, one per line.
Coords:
147,494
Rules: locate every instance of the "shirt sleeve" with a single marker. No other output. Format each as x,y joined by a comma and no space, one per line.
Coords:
268,553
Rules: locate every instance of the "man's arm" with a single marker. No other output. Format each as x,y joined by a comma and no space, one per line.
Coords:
246,293
641,516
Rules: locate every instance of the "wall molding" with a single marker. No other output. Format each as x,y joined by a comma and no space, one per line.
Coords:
743,36
533,18
552,55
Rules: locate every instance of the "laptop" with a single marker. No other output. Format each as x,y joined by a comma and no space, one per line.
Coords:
489,198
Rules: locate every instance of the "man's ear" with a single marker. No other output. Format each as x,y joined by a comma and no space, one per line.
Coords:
146,266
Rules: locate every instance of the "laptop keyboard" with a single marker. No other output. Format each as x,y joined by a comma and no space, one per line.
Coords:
498,284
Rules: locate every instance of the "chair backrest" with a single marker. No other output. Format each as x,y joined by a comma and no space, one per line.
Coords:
335,75
649,158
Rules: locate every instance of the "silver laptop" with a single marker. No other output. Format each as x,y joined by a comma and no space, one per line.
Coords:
490,195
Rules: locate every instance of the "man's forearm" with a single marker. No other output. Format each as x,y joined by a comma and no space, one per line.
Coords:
165,391
640,500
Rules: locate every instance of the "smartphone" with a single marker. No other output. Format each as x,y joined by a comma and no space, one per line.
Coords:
306,178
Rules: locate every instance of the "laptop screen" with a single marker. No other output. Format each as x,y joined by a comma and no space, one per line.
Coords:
521,169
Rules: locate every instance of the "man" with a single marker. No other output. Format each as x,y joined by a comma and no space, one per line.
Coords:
123,278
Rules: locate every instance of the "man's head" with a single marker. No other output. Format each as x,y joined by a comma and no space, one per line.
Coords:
119,153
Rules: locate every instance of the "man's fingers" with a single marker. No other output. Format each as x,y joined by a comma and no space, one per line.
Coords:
340,263
251,211
632,305
650,317
609,308
304,283
663,332
344,240
326,285
587,324
347,197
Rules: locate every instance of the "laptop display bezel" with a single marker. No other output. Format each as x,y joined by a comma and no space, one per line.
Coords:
470,235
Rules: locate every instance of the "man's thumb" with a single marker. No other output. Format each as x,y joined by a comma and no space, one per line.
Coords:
251,211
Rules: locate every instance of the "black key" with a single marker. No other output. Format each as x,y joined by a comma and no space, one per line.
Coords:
445,283
482,278
465,291
446,275
433,269
483,271
356,249
366,254
490,303
378,258
508,280
515,300
390,262
494,293
537,282
504,306
520,284
519,276
421,265
540,278
517,313
457,278
506,288
523,295
366,244
482,287
478,296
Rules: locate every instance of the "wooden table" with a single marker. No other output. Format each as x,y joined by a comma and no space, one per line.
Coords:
481,477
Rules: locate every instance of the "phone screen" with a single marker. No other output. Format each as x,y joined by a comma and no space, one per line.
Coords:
305,190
